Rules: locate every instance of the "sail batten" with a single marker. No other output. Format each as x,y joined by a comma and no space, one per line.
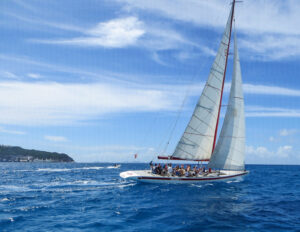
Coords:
204,119
230,149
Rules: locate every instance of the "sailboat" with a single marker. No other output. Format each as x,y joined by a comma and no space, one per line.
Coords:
198,142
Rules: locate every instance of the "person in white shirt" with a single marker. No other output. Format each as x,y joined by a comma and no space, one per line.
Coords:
170,169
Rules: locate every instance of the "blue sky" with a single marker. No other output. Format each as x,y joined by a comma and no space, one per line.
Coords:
102,80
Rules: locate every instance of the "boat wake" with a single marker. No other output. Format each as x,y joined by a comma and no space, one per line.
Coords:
116,166
67,169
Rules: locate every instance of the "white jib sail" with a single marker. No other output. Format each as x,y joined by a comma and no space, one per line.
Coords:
229,153
197,140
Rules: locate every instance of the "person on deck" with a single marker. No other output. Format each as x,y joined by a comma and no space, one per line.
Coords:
189,171
159,169
151,166
170,169
194,173
154,169
165,170
182,170
177,170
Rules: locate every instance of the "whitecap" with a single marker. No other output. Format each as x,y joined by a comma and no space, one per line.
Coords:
88,168
126,185
110,167
14,188
208,184
53,169
66,169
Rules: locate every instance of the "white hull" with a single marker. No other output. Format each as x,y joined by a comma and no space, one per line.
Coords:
148,177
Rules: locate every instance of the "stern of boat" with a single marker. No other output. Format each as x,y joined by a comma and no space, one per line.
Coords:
134,174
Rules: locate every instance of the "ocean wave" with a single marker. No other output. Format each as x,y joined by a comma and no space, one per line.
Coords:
127,185
110,167
53,169
42,201
13,188
88,168
67,169
63,169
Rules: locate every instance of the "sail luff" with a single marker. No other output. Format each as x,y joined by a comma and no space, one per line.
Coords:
224,75
198,138
230,149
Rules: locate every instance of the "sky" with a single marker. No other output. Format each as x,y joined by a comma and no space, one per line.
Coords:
103,80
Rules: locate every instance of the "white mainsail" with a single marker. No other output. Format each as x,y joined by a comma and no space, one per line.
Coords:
197,140
229,153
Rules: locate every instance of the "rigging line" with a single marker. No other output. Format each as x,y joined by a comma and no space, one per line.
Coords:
179,112
146,136
176,121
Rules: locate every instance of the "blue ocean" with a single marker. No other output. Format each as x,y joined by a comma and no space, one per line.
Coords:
92,197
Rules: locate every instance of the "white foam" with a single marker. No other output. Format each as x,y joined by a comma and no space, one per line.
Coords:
14,188
208,184
127,185
109,167
66,169
88,168
53,169
197,185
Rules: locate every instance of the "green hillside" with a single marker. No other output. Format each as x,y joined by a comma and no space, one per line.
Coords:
18,154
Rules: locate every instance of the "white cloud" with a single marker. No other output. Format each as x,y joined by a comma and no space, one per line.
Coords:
270,28
277,17
156,57
45,24
14,132
271,139
262,154
272,47
117,153
34,75
108,153
284,151
258,111
48,103
286,132
130,31
52,103
55,138
116,33
27,61
268,90
8,75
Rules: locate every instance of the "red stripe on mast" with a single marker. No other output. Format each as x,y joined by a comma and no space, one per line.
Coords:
227,52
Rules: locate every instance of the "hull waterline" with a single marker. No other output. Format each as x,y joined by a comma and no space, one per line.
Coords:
148,177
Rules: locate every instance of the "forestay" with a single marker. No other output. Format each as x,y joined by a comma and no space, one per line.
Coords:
197,140
229,153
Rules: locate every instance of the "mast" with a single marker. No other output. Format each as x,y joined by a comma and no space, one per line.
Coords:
224,75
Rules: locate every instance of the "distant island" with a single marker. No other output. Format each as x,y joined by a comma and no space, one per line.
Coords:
18,154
